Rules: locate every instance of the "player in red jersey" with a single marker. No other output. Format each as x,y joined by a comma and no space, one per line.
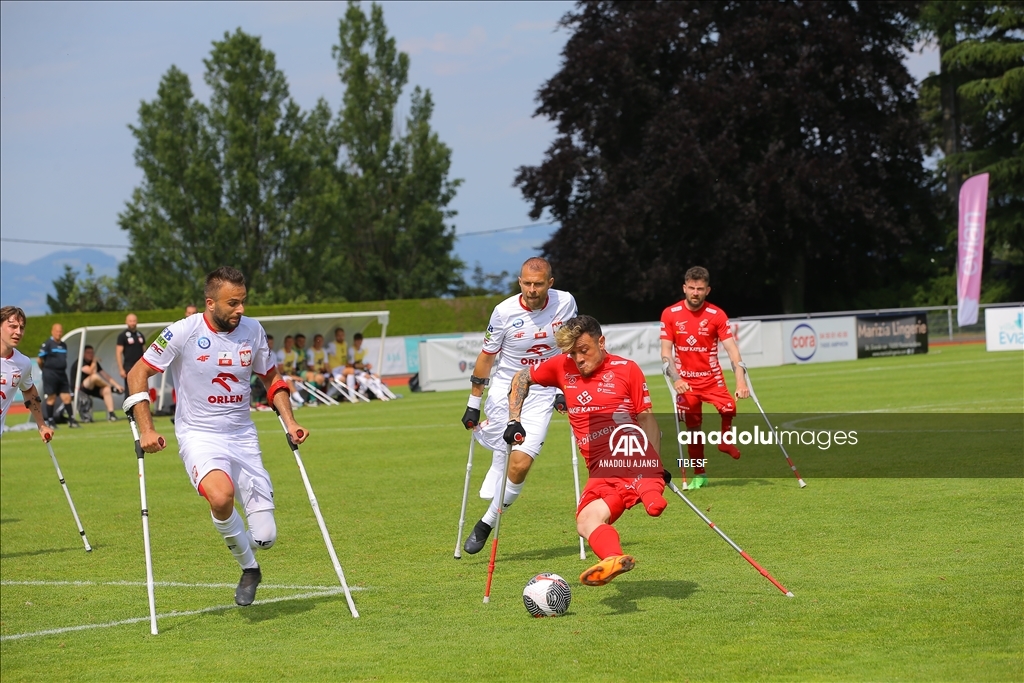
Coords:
610,414
692,328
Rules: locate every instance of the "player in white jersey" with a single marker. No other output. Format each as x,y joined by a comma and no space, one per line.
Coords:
521,333
212,358
16,370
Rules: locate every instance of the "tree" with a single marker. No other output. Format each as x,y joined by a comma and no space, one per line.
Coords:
777,143
311,207
87,294
975,111
396,188
219,181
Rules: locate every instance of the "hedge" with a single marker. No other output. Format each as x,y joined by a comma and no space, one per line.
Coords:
408,317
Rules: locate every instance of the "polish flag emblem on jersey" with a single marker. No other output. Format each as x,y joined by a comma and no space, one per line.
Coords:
224,358
245,357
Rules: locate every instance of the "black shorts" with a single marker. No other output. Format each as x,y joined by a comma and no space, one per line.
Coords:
55,382
95,393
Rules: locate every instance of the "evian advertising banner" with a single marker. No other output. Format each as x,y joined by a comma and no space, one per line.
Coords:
970,248
1004,329
819,340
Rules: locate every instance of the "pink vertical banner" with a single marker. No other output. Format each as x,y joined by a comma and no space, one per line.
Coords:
970,248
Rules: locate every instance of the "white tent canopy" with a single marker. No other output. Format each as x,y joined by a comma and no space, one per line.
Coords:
103,338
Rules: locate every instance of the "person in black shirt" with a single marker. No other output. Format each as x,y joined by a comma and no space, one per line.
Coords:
53,359
96,382
131,344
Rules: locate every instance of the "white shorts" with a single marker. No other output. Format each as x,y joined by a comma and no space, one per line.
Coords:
238,456
535,418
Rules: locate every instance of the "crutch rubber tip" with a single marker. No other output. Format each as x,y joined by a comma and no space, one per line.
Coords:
803,483
789,594
48,437
299,433
458,557
487,599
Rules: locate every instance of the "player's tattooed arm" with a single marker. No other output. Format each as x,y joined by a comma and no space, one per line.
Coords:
517,393
668,364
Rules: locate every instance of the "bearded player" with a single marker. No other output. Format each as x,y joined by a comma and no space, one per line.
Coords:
692,329
520,334
16,370
212,357
608,400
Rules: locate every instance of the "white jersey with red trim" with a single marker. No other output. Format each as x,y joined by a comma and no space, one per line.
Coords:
525,338
211,371
15,373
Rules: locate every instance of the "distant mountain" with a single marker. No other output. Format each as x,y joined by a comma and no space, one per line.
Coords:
26,285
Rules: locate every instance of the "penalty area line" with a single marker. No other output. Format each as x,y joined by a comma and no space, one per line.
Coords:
169,615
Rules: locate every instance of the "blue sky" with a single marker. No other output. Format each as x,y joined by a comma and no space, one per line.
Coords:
72,76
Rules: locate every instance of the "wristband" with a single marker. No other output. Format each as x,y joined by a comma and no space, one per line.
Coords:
134,400
482,381
474,402
278,385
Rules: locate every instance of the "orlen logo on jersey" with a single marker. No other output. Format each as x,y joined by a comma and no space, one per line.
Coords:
540,350
628,441
803,341
222,379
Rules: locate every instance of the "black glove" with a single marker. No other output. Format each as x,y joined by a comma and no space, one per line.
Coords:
471,418
514,433
560,404
667,476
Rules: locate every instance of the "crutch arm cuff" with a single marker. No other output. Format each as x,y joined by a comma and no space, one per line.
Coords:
134,400
278,385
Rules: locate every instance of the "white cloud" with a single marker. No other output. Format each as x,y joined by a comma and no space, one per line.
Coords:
447,44
535,26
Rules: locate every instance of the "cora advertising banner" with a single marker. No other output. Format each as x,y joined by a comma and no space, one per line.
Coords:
892,335
819,340
1004,329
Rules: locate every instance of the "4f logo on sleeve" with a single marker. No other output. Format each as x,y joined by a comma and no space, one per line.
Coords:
224,358
245,357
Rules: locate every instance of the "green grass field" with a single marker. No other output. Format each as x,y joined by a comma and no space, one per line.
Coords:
910,579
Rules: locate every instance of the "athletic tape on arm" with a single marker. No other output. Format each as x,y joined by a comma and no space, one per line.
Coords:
135,399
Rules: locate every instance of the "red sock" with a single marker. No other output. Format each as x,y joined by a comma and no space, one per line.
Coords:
729,448
604,541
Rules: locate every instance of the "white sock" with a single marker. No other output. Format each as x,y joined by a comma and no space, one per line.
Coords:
350,382
233,531
512,492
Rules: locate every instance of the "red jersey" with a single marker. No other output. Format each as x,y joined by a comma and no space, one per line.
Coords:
695,336
612,396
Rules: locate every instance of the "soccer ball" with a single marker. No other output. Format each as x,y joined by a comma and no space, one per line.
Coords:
547,595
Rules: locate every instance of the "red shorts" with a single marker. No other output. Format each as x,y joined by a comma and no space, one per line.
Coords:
689,402
618,493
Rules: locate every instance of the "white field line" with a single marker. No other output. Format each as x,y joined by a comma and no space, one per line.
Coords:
166,584
168,615
892,368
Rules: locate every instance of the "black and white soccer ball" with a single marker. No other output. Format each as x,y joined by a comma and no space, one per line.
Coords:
547,595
